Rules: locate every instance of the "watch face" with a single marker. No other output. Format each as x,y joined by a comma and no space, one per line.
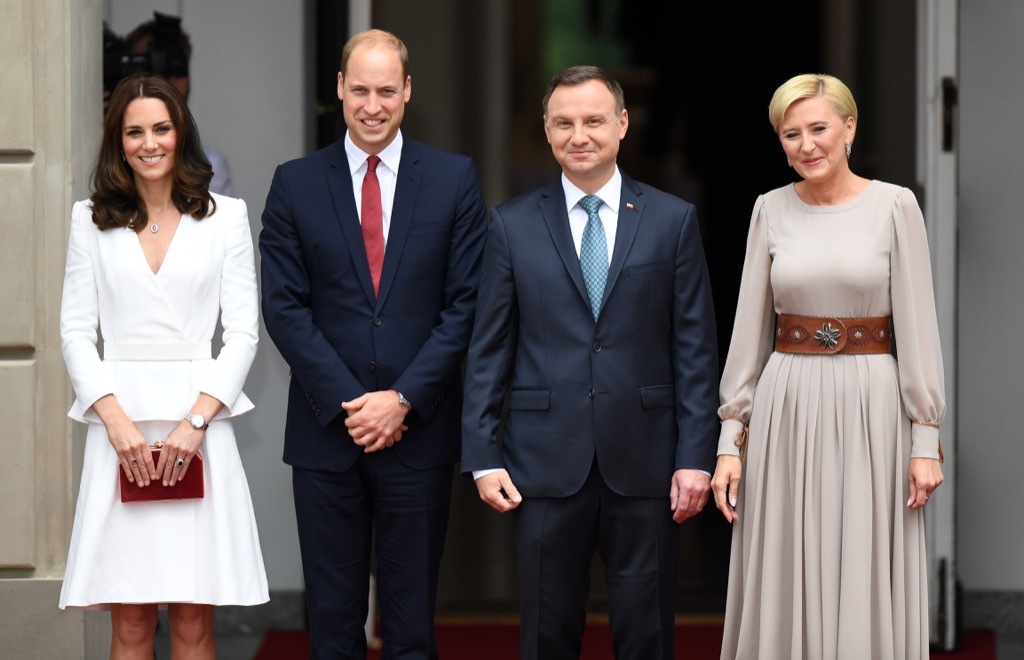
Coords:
197,421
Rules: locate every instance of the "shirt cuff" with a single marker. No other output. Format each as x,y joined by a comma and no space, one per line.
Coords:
924,441
732,430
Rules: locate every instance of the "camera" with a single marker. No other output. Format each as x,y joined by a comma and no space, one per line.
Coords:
166,55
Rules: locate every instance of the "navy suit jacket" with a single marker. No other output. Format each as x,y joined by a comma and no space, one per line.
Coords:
638,386
338,338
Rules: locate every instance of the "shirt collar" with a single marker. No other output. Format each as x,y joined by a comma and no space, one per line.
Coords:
610,193
391,155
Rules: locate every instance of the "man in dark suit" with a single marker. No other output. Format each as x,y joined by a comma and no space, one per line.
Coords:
370,252
595,318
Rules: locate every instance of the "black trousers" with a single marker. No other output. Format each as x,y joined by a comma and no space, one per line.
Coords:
403,514
556,538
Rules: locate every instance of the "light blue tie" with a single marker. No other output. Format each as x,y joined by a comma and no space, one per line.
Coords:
594,253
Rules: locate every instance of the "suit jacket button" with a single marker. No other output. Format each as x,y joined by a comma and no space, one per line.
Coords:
590,393
373,366
597,348
378,322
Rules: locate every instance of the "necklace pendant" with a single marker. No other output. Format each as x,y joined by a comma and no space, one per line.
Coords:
153,228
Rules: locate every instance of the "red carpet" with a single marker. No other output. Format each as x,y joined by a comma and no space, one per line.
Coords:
474,641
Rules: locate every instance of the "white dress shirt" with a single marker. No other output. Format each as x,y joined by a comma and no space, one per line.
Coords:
609,211
387,175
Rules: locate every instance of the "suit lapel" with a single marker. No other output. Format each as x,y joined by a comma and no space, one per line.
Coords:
552,207
631,208
407,187
339,181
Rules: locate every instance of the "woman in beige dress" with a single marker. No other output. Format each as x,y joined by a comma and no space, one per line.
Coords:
836,440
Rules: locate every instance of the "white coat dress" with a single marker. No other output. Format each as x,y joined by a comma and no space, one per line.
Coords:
187,551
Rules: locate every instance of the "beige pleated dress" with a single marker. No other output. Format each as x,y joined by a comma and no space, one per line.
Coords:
827,561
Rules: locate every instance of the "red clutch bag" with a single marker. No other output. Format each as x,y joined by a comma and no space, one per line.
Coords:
189,488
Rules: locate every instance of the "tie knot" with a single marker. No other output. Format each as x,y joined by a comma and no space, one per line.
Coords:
371,163
590,204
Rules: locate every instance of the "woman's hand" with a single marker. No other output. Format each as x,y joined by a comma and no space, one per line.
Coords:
725,485
129,444
925,475
183,442
177,452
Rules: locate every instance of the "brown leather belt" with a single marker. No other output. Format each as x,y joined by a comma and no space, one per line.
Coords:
828,335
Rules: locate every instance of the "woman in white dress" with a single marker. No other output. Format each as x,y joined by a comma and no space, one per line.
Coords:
840,437
153,260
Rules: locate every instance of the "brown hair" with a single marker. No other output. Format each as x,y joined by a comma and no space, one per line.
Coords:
577,75
115,200
372,38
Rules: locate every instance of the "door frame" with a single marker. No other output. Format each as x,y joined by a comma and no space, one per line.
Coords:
937,83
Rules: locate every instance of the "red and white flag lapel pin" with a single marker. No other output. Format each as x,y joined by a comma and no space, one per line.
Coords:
629,206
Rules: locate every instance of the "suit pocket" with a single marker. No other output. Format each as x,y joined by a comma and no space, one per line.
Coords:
640,269
529,399
658,396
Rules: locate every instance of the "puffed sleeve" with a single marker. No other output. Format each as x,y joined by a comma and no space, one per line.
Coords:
239,313
752,335
917,331
79,315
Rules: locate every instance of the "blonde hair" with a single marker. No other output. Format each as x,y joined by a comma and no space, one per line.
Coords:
810,85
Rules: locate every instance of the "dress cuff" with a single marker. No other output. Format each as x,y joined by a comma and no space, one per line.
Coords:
924,441
732,430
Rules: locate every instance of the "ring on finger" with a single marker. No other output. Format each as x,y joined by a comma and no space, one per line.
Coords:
180,462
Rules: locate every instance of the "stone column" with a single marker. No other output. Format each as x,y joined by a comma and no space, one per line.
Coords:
50,90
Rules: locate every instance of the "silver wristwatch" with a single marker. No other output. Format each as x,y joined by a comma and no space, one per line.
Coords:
197,421
405,402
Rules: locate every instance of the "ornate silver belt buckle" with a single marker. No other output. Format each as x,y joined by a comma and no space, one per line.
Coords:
828,336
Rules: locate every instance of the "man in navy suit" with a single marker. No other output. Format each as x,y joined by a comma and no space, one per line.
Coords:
610,369
375,348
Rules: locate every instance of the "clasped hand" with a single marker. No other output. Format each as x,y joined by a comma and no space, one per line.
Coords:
136,457
177,452
376,420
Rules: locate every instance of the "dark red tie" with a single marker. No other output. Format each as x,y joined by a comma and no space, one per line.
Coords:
373,221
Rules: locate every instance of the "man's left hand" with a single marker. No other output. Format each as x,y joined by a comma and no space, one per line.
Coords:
689,493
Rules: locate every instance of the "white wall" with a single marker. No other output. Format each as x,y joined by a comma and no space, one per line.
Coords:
991,315
249,100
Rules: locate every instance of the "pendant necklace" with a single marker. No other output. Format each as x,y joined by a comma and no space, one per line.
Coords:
155,227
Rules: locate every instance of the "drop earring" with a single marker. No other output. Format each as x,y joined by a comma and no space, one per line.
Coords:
849,148
789,162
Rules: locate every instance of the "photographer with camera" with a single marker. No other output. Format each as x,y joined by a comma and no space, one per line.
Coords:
161,47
